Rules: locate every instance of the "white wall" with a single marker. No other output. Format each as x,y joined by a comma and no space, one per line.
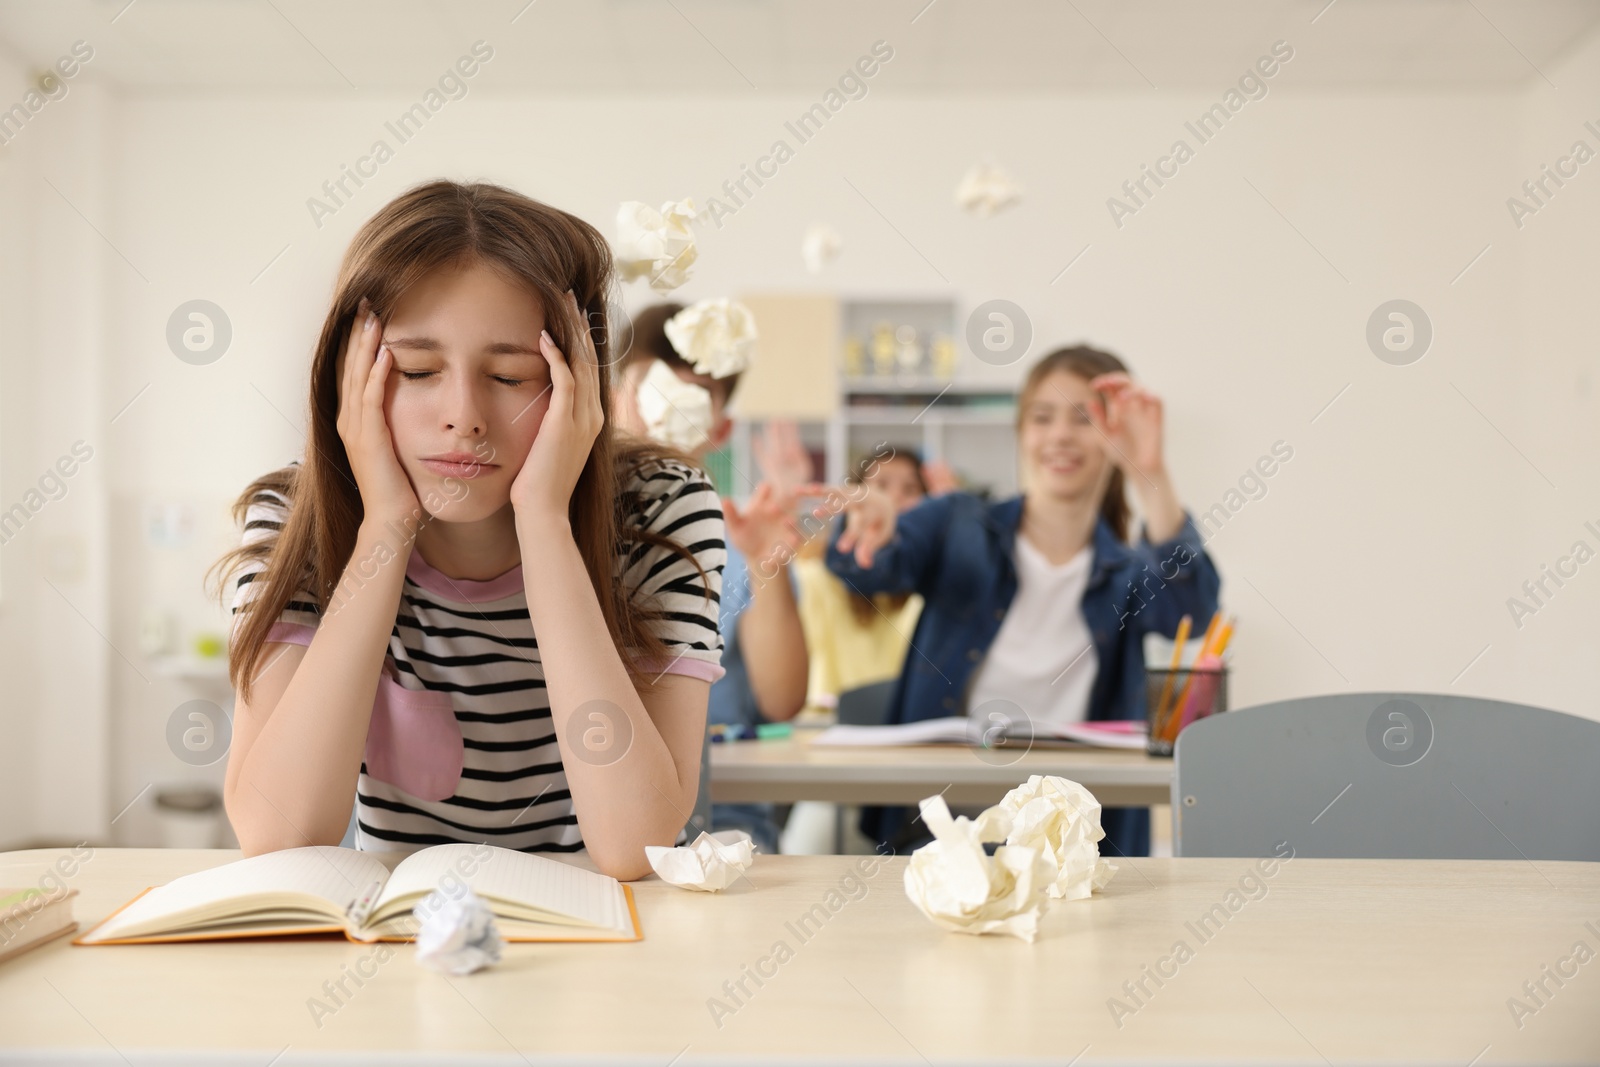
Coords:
55,609
1380,558
1550,655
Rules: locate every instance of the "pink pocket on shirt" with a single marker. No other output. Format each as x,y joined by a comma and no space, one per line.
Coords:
414,741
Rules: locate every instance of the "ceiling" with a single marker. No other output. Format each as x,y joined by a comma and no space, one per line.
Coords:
738,48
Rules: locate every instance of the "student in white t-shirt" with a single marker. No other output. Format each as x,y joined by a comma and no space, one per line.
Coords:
1036,607
469,610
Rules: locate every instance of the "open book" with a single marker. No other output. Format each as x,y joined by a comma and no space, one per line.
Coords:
327,889
1115,733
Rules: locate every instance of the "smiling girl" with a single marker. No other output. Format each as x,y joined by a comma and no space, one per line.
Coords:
1036,607
470,611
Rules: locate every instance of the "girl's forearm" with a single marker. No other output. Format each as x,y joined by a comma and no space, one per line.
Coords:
298,781
773,644
1163,511
623,803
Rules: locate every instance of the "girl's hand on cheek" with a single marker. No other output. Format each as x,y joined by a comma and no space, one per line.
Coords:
363,369
542,489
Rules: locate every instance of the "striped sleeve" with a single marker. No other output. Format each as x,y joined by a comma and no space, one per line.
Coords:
678,502
263,522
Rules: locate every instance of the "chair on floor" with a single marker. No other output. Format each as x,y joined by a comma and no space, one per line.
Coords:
1389,775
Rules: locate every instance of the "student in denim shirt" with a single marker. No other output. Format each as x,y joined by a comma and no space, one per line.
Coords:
999,637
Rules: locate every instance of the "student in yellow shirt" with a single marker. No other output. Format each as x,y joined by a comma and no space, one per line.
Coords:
855,640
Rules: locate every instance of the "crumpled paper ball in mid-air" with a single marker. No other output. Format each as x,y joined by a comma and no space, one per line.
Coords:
712,862
986,189
961,888
655,244
458,933
674,412
1061,819
820,246
717,336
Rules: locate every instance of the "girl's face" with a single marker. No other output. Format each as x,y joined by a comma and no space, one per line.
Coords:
1062,453
897,479
468,390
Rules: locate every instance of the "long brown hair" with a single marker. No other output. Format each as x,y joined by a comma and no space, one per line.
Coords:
438,225
1087,363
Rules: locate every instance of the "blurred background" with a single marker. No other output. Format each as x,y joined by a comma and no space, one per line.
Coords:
179,179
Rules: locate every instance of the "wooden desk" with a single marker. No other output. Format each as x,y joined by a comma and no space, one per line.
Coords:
789,769
1343,961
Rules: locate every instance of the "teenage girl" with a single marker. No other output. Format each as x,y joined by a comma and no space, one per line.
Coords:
469,610
1036,607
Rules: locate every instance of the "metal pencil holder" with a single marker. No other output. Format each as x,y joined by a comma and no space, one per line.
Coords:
1176,698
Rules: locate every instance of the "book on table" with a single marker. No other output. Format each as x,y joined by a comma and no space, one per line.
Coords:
29,917
327,889
956,730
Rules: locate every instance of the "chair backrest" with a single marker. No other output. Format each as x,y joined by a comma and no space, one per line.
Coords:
701,818
1389,775
867,705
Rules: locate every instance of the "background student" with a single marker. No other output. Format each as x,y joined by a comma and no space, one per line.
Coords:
433,608
764,647
854,640
1037,606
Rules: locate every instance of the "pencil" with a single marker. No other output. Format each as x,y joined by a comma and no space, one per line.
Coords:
1170,730
1172,673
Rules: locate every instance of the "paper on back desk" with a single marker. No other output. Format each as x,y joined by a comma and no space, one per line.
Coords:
1117,734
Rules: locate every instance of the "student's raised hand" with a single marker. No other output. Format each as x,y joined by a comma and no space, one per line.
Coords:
362,370
869,521
765,529
783,460
543,487
940,477
1131,419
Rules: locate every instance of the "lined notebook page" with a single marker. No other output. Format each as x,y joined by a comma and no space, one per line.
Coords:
327,871
591,898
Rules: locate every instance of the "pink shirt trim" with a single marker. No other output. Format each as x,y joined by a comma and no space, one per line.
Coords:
463,589
294,633
693,668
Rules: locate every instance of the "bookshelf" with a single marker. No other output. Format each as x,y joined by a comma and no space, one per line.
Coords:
893,372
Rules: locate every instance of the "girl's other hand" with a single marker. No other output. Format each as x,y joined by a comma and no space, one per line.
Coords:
363,368
543,487
1131,419
868,524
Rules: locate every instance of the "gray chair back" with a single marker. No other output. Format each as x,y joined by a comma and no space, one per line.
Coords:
867,705
1389,775
700,820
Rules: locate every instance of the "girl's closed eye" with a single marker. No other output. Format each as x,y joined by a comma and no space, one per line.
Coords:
418,375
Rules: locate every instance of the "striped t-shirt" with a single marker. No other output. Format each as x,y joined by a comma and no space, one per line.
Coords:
462,746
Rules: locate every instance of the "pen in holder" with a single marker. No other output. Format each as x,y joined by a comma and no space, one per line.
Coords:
1175,698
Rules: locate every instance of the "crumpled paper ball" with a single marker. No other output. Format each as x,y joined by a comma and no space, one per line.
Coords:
710,863
1061,819
986,189
655,244
674,411
458,933
961,888
717,336
820,246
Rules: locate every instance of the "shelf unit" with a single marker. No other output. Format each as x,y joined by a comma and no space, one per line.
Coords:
968,425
